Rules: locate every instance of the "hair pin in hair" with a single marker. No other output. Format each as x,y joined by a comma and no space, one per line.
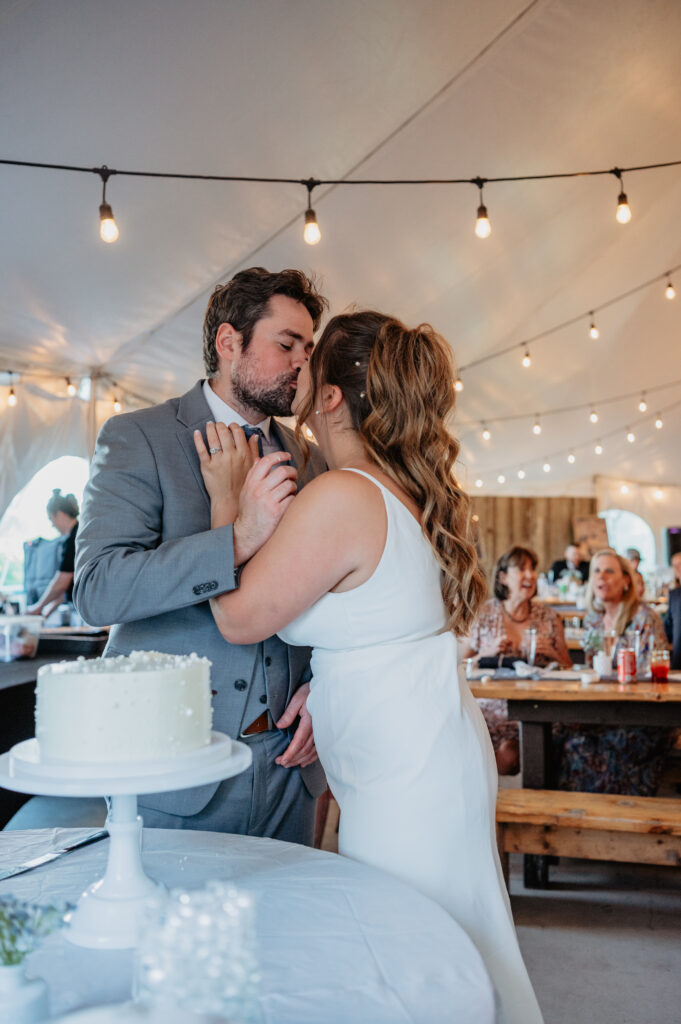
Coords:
362,394
357,362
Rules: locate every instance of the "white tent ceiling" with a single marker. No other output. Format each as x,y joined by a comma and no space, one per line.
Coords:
358,89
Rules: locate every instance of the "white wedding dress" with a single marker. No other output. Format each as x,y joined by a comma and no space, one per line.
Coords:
406,750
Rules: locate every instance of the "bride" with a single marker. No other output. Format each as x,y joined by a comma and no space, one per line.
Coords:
373,566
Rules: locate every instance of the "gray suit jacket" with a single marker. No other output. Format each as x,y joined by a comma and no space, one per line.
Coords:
148,561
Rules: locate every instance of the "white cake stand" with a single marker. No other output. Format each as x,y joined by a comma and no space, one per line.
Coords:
107,913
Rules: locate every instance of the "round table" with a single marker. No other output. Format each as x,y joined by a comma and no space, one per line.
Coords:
337,941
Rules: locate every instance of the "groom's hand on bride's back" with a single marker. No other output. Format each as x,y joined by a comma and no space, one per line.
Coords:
269,488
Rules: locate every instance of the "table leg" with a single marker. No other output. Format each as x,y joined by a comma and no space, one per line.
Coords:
535,754
535,760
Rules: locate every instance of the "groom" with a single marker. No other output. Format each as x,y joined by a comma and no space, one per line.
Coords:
148,561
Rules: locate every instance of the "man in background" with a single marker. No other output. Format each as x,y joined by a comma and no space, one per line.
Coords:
675,562
571,565
634,557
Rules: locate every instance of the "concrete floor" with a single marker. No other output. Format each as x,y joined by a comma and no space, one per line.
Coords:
602,945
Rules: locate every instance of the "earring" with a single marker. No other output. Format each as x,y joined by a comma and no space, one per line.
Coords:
316,412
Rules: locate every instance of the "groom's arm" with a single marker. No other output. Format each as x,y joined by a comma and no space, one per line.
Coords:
123,569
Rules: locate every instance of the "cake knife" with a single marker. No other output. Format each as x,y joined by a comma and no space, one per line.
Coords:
46,858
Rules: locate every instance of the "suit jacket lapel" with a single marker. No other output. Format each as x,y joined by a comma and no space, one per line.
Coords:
192,413
287,442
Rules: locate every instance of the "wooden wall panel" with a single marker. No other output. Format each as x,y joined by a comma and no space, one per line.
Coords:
544,524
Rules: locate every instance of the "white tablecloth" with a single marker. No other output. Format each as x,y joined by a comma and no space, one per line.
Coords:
338,943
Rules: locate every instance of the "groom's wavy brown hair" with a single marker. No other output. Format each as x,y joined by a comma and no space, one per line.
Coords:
398,385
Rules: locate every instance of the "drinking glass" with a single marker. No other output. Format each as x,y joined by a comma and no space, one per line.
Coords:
529,647
609,641
659,665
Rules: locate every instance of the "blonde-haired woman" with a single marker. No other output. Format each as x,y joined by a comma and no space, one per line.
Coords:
374,566
606,759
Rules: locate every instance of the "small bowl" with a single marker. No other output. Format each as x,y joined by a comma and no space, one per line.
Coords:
19,636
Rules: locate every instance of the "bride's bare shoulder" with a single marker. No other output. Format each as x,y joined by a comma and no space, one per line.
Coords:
340,489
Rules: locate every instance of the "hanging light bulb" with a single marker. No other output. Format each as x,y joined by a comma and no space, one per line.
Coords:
598,449
11,398
643,405
670,291
70,388
659,494
501,479
571,458
486,433
593,416
478,482
623,209
659,423
536,429
631,436
527,361
311,234
521,474
116,404
458,384
594,333
623,214
547,467
483,228
624,489
108,229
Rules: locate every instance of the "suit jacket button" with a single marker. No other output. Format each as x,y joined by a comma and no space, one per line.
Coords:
268,661
263,699
240,684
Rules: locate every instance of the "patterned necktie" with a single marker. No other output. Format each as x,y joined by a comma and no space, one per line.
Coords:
250,431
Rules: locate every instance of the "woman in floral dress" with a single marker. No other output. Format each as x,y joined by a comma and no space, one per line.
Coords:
612,759
499,631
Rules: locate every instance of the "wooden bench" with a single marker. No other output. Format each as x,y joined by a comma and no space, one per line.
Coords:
594,826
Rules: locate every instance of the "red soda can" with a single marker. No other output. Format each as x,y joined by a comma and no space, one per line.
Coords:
626,665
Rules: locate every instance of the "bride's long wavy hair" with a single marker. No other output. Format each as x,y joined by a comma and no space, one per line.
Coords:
398,385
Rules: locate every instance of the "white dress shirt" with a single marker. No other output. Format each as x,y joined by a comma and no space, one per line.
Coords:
223,413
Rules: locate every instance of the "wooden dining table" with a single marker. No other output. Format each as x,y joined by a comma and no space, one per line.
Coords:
562,697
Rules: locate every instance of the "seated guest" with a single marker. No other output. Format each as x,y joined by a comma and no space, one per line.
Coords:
639,584
62,511
572,565
675,562
608,759
499,633
672,625
633,556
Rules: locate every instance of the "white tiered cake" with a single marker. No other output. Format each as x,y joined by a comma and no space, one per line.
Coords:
147,706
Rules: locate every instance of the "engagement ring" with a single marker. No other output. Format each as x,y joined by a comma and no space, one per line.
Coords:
214,451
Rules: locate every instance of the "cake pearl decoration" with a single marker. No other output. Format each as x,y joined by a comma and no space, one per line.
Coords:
146,706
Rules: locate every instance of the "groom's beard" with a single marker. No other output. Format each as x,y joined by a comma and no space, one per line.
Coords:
273,398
